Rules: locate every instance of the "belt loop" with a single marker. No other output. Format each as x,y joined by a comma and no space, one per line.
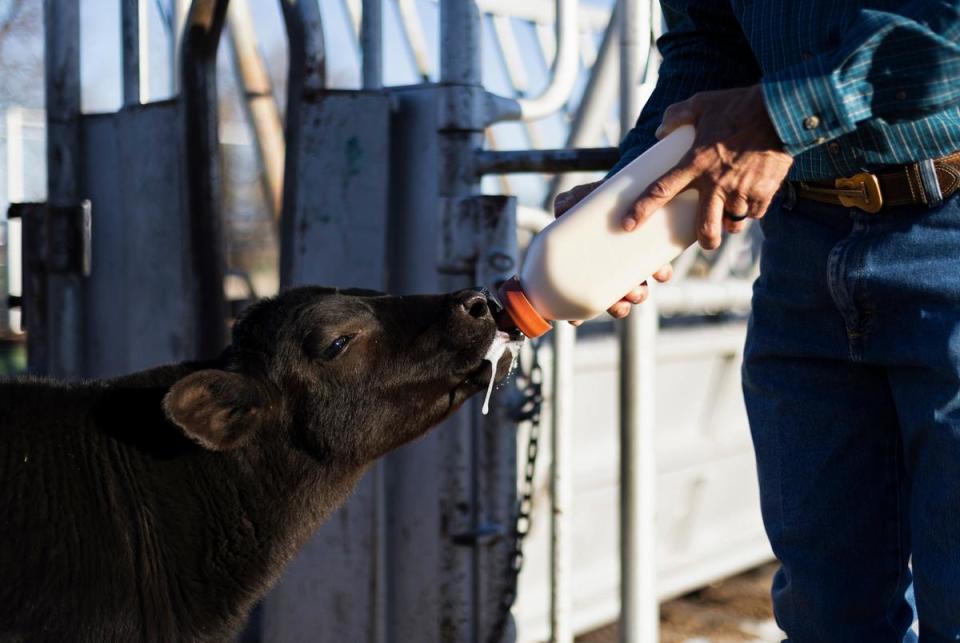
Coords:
931,186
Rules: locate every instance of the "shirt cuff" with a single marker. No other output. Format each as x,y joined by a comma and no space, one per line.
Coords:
805,107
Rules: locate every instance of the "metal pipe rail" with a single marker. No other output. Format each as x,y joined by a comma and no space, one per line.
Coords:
306,77
565,65
543,12
371,44
371,48
639,607
308,58
563,340
198,74
550,161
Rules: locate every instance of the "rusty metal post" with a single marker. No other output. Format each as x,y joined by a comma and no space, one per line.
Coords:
202,148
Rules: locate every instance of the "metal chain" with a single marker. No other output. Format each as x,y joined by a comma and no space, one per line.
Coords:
529,410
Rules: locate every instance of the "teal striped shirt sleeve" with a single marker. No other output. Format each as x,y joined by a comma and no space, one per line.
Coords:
890,67
703,49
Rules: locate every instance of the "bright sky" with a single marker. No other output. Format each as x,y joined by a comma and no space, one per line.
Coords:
101,44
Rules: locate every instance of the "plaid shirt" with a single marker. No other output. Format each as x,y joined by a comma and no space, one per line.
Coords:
849,84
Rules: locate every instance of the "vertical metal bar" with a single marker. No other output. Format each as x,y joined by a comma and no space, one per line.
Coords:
459,42
304,25
371,51
380,601
639,610
371,43
459,135
561,484
35,288
306,78
15,194
178,18
62,61
199,95
136,51
639,616
259,102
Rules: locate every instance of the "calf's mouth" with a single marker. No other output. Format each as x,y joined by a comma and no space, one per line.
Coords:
498,359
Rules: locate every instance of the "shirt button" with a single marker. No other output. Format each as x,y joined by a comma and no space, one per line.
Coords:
811,122
901,95
834,148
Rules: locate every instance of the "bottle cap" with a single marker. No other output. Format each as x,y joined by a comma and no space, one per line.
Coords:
521,311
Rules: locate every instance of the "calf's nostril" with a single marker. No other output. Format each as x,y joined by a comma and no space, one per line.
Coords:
478,309
473,303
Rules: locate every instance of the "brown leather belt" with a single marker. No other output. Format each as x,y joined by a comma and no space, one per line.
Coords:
923,183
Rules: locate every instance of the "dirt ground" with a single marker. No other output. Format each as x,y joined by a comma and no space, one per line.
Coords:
731,611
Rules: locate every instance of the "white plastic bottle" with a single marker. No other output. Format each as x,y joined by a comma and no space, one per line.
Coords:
582,263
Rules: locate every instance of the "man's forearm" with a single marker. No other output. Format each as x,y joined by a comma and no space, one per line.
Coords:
895,66
703,49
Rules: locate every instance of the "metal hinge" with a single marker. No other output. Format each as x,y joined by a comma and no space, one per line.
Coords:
485,533
59,238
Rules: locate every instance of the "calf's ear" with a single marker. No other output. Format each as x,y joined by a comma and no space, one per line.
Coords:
216,409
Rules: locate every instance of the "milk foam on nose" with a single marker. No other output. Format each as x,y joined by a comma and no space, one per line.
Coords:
501,343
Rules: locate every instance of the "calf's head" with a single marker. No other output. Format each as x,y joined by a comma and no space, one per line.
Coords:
345,375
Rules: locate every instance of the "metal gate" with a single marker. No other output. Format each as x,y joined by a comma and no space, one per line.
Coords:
382,189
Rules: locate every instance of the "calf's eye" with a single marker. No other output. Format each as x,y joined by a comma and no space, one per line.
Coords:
337,347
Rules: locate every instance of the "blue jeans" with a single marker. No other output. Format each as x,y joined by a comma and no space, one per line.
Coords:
852,382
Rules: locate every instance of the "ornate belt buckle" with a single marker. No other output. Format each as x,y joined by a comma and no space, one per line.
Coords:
862,191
